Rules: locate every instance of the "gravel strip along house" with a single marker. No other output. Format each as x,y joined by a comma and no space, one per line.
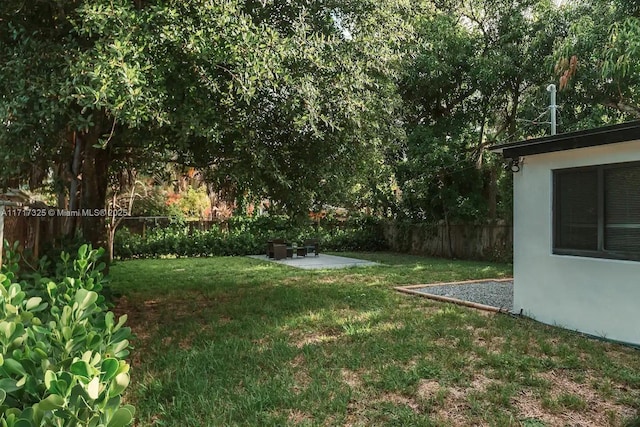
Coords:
490,294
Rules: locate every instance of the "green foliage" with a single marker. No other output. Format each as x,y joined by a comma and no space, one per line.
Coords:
267,98
248,235
61,352
440,179
597,63
357,233
154,203
193,202
472,76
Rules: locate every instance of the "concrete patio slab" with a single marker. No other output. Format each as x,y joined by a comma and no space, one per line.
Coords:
320,262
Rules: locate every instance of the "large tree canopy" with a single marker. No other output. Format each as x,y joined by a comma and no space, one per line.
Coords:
264,96
476,69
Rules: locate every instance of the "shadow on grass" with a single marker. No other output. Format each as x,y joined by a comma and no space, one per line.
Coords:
231,341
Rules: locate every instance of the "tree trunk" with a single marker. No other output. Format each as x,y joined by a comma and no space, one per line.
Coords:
112,237
95,179
71,223
115,218
113,224
61,187
624,107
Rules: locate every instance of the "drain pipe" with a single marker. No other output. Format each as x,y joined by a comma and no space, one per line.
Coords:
552,107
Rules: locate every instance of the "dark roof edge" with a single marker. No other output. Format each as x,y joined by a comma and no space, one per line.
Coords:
567,141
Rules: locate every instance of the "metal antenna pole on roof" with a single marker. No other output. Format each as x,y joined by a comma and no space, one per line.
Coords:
552,107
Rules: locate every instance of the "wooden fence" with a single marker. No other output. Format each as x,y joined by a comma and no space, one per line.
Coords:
33,232
492,241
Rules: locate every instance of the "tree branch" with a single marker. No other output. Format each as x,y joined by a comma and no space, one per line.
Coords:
622,106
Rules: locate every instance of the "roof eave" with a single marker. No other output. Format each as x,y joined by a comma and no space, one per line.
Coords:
581,139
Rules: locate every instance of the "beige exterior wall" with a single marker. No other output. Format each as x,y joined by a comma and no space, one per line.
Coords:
596,296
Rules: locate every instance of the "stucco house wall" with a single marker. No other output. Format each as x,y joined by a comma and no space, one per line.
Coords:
592,295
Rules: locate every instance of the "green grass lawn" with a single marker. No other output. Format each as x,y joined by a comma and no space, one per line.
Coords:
236,341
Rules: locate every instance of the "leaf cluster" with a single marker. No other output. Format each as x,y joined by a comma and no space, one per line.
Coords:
61,351
598,63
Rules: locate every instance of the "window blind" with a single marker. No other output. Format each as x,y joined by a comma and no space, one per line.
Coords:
622,209
577,210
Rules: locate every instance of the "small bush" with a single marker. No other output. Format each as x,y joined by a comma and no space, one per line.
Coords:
61,351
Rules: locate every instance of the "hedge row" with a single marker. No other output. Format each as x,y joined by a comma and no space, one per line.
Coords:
248,236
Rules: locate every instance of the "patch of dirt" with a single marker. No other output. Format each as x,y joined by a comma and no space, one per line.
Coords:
482,337
357,408
355,415
529,406
597,413
455,406
453,409
297,417
413,362
444,342
398,399
351,378
480,383
298,361
428,389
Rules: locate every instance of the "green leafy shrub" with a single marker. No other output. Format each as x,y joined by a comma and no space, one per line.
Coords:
61,351
360,233
247,235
